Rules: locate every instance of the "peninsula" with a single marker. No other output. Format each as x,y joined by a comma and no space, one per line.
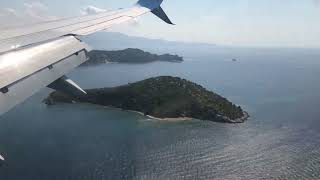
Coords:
129,55
161,97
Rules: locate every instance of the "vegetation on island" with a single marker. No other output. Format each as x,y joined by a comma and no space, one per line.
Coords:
129,55
161,97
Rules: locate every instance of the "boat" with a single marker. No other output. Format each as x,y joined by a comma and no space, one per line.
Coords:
2,158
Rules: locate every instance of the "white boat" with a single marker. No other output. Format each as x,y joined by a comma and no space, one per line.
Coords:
2,158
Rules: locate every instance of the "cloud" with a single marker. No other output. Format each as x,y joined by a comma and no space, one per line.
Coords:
31,12
316,3
36,10
10,12
9,16
91,10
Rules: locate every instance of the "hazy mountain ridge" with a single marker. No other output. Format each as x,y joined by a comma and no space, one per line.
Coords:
118,41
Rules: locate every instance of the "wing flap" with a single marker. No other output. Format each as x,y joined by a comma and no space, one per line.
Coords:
28,86
19,64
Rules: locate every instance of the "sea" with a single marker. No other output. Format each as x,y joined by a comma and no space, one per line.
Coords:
279,88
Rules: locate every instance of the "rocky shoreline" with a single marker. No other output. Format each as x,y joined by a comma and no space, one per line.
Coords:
242,119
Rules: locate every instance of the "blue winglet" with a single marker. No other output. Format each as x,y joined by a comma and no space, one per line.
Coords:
154,6
162,15
150,4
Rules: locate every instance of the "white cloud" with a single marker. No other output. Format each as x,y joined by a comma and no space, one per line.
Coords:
7,12
10,12
9,17
32,12
91,10
36,10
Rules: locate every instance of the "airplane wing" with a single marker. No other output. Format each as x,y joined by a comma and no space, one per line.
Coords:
39,55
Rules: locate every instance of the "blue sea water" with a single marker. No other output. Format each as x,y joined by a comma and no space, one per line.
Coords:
279,88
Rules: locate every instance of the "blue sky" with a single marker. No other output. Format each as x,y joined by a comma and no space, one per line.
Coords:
268,23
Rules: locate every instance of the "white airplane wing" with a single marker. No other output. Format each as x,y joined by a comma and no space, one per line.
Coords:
39,55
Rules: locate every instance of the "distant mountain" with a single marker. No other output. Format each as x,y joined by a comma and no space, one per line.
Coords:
129,55
117,41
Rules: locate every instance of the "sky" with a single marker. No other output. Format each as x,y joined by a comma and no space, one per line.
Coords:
254,23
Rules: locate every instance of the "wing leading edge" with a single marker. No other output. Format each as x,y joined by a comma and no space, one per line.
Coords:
39,55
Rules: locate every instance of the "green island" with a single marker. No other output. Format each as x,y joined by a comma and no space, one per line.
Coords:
163,97
129,55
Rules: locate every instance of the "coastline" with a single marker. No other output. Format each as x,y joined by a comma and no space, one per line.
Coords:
152,117
244,118
149,116
170,119
224,119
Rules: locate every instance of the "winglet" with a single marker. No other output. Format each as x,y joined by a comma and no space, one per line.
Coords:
162,15
154,6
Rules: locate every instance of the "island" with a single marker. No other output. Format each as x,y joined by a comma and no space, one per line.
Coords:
129,55
163,97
